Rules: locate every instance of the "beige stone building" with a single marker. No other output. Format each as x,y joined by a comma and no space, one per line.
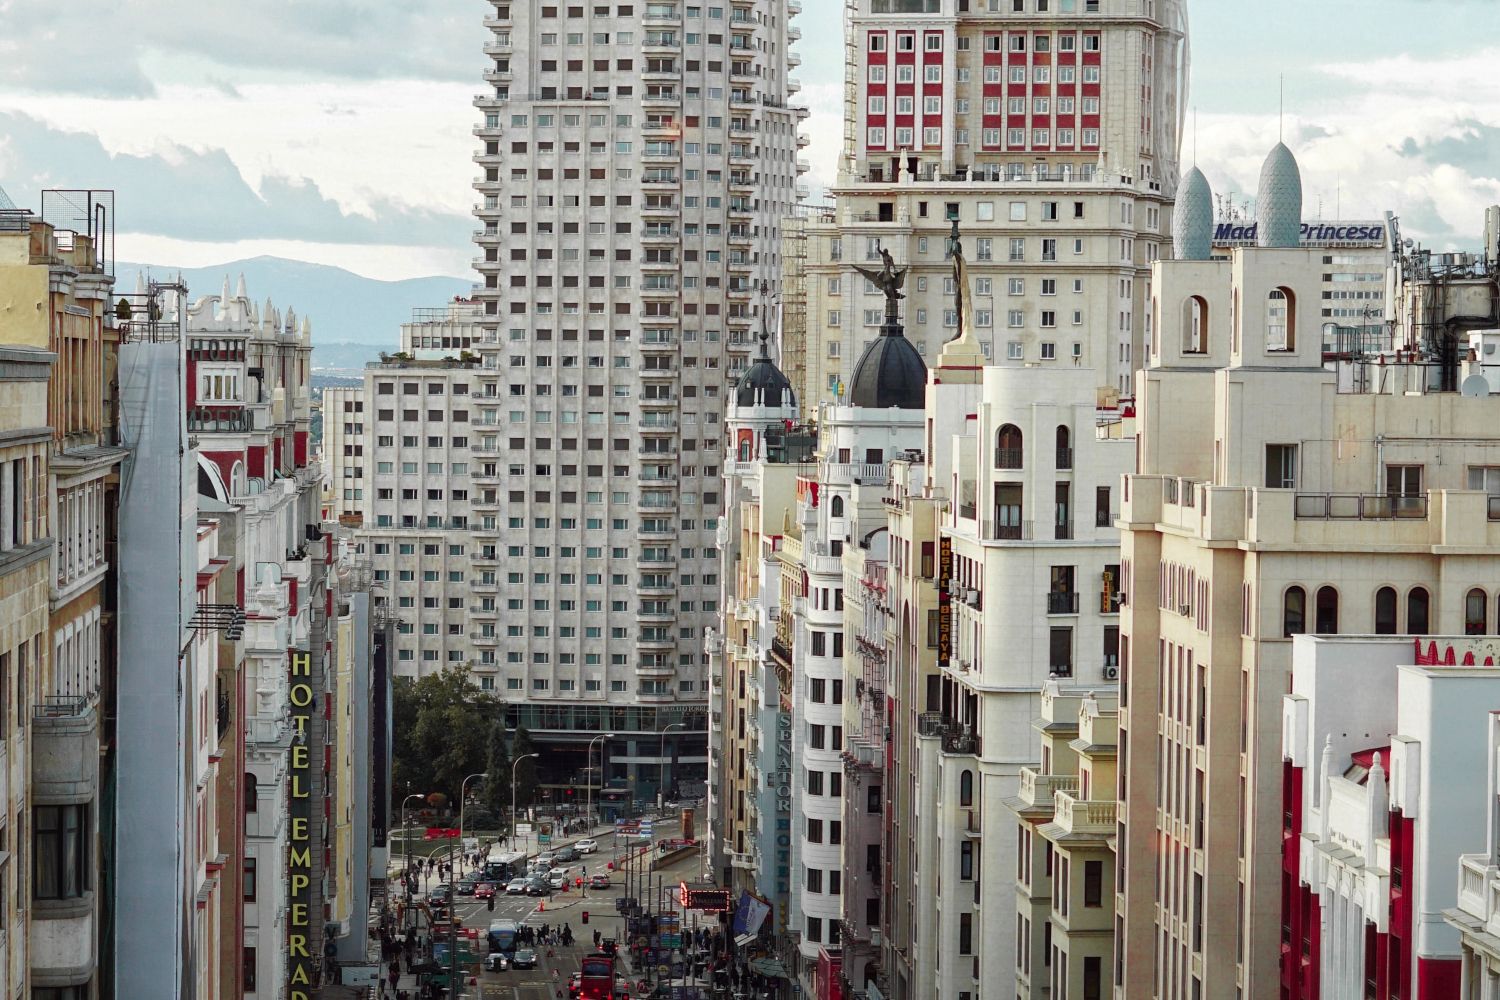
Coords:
1273,496
1065,859
59,478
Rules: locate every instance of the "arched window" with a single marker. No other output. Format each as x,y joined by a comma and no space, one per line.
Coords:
747,449
1416,611
1008,446
1281,320
1476,613
1294,612
1195,325
836,508
1385,611
1064,447
1327,611
250,795
966,788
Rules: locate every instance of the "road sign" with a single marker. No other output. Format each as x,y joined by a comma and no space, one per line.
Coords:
361,975
523,829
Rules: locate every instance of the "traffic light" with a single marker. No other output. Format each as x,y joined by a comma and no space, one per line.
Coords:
585,916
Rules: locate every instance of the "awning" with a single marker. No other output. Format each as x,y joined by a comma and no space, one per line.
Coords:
770,967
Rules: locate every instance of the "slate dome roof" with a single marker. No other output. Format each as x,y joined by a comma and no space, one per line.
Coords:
1193,218
764,384
1278,202
889,373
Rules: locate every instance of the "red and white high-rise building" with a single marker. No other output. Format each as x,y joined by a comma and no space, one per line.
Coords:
993,89
1049,130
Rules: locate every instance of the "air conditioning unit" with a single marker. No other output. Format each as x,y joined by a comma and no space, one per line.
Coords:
1111,672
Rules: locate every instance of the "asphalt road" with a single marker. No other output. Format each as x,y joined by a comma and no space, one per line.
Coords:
563,908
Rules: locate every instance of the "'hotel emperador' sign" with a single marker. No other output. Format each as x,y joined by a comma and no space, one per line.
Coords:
299,853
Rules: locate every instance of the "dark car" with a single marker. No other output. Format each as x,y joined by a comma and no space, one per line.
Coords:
497,961
466,886
567,855
437,897
538,887
524,958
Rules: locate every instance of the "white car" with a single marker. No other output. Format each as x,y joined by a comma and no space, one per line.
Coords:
586,846
546,860
516,887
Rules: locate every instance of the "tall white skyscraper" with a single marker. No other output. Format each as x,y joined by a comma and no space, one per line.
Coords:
636,160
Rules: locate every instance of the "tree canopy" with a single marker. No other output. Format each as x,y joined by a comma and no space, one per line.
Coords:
443,723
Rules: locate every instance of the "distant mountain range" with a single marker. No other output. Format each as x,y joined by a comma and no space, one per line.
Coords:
353,317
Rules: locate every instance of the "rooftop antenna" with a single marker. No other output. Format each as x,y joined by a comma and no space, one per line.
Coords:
1195,135
1281,112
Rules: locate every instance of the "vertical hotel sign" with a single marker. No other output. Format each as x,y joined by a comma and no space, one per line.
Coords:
945,600
299,846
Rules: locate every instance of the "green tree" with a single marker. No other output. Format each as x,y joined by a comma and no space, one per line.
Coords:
442,722
496,792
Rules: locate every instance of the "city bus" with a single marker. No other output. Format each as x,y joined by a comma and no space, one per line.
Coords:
596,977
502,866
502,936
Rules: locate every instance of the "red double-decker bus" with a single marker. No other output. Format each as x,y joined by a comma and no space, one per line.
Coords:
596,979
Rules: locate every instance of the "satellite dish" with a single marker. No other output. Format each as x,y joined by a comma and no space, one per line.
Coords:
1475,386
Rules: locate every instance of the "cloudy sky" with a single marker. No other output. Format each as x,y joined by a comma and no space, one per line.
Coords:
340,132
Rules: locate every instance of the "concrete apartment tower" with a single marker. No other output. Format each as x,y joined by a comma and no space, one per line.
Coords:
635,162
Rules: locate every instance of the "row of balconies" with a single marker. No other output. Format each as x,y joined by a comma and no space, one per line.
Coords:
1458,518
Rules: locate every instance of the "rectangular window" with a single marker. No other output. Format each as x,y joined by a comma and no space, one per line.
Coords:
248,871
1281,466
1093,883
61,861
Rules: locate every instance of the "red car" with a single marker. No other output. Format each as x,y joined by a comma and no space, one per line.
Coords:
484,890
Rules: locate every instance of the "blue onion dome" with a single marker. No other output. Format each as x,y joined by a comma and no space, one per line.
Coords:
1278,203
889,374
1193,218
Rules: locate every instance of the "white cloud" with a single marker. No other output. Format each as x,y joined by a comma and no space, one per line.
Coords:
1417,138
825,130
408,141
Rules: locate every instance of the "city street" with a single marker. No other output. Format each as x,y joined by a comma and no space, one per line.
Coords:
566,908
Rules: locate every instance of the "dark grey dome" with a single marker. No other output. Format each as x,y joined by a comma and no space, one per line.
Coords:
889,373
764,384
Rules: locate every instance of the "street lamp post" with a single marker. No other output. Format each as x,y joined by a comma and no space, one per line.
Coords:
661,751
463,801
588,774
406,835
513,766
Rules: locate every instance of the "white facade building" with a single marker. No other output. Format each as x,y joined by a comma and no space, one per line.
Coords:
636,161
1378,733
406,442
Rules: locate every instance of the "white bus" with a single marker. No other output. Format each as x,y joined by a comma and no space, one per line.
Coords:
502,865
